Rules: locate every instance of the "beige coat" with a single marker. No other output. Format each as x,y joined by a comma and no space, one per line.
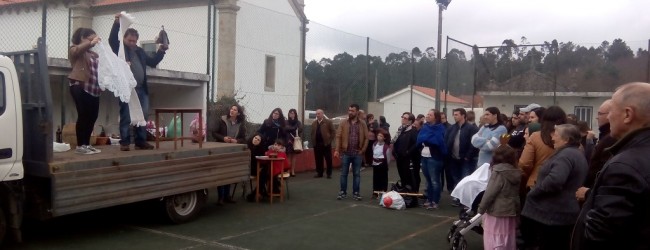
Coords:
534,154
343,134
80,61
326,130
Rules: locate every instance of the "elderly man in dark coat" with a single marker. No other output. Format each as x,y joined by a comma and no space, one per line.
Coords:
616,213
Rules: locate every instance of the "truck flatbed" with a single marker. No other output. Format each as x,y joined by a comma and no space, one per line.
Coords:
85,182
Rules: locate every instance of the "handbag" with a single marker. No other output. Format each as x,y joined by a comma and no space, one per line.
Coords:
297,144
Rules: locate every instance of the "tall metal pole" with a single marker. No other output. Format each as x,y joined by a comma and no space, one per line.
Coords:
555,52
367,95
447,74
412,81
647,78
44,22
374,96
438,77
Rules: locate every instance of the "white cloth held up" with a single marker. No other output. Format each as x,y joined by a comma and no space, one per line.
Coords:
135,109
114,74
469,187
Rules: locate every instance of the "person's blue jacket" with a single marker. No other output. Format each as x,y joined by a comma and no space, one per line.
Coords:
432,136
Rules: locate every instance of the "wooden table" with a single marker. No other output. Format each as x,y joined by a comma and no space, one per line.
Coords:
269,160
176,111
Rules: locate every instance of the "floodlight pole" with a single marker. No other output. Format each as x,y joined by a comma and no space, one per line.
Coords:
442,4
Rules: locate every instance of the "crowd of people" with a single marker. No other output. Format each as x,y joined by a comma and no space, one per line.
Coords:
551,179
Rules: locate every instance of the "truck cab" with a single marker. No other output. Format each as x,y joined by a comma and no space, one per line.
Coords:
11,148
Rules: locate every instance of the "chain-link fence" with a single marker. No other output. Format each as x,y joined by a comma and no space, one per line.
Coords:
576,77
341,68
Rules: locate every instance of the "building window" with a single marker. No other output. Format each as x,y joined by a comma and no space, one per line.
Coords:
150,47
518,106
269,83
584,113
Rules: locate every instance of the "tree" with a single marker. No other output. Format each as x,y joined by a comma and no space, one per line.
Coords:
618,50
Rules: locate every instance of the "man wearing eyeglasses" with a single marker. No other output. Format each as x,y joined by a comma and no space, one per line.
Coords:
517,140
615,213
598,158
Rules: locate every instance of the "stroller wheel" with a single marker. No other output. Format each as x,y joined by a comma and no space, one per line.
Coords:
452,231
458,242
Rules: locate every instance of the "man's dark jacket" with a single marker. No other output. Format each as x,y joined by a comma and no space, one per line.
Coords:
405,145
465,148
599,157
616,214
144,58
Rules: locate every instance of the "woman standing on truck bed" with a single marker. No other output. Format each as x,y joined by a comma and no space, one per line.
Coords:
231,129
84,87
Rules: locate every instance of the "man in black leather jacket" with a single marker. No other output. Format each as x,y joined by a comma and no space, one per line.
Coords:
616,214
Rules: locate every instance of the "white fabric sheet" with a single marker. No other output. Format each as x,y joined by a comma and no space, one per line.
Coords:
469,187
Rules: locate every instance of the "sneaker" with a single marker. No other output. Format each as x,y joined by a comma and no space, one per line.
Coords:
430,206
342,195
97,151
125,147
356,196
84,150
144,146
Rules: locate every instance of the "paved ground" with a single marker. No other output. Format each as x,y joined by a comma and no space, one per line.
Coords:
311,219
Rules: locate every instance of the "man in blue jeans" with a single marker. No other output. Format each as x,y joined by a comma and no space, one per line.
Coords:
461,157
351,143
138,61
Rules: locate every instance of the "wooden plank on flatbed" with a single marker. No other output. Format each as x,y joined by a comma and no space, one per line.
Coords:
87,182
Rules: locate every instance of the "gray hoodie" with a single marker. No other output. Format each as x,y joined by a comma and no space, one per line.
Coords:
501,197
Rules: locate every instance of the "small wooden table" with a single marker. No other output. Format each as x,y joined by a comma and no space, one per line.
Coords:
176,111
269,160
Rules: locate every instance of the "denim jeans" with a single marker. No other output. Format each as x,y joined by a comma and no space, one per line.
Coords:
431,168
125,120
356,171
459,169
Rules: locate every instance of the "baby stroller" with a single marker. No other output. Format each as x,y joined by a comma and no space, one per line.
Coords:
470,192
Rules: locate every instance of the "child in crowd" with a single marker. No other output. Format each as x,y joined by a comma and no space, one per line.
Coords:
256,148
500,205
278,150
380,158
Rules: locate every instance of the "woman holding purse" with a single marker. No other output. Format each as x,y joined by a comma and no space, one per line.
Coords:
293,129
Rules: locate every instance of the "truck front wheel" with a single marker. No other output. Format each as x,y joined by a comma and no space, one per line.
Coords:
184,207
3,225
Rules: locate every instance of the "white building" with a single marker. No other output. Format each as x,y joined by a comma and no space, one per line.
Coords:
423,100
534,87
251,49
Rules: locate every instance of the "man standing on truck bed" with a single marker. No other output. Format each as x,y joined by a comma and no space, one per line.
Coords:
138,61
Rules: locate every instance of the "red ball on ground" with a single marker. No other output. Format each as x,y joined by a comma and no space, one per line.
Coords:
388,201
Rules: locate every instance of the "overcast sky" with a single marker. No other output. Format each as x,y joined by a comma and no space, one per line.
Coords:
404,24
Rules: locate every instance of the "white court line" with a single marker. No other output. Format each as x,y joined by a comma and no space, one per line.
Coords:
188,238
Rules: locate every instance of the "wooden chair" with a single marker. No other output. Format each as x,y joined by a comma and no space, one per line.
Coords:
284,177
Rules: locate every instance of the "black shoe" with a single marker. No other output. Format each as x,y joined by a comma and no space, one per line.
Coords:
329,177
455,203
144,146
318,176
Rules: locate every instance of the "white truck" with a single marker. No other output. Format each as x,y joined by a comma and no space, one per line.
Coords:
38,183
